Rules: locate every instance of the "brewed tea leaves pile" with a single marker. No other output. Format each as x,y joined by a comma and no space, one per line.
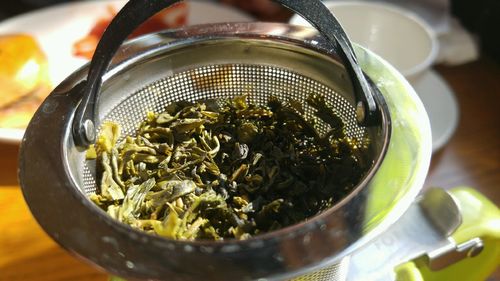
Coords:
227,168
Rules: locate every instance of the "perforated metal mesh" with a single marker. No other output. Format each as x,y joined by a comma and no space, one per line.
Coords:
335,272
259,82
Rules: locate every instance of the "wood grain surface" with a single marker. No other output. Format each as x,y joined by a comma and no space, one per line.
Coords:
471,158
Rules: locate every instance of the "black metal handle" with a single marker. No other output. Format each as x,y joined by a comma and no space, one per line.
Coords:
135,12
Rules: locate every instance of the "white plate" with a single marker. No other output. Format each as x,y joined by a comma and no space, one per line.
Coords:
57,28
441,106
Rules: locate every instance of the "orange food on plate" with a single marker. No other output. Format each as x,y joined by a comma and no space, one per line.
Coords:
24,79
19,114
173,17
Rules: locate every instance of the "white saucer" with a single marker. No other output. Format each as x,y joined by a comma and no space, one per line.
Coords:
441,106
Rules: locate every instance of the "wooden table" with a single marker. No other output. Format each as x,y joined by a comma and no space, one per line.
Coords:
471,158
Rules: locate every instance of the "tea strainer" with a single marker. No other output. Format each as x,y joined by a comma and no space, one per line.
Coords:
209,62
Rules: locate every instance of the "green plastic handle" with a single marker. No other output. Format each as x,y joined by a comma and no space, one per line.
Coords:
480,219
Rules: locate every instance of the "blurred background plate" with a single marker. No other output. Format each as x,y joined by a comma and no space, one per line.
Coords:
441,106
58,27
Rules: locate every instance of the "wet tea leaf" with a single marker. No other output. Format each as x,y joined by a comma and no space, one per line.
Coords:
226,169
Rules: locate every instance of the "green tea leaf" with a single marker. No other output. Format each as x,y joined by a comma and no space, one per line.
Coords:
134,200
227,169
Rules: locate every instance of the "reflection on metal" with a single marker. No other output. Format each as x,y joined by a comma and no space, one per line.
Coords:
422,231
441,210
442,258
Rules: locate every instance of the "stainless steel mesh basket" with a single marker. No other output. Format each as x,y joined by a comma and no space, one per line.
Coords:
222,81
198,63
